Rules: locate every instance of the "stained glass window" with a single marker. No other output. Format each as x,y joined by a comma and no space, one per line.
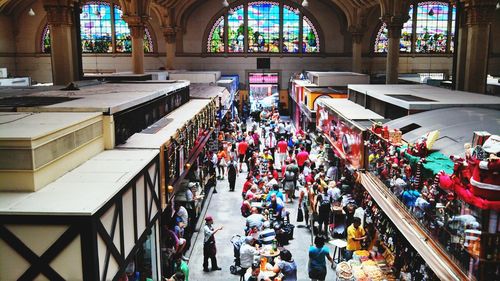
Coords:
46,40
122,33
96,26
432,27
452,31
310,40
235,30
405,41
264,29
291,27
216,42
431,30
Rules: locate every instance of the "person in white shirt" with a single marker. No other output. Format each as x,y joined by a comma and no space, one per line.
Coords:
334,191
306,170
271,181
248,252
270,142
281,130
255,219
331,173
288,128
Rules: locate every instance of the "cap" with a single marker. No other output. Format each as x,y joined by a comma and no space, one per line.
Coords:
209,218
249,239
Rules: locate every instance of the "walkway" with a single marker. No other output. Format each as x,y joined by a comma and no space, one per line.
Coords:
224,207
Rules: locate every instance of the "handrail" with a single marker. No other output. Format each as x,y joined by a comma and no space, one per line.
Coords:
437,259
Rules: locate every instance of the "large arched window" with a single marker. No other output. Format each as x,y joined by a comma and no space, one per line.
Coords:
263,27
430,29
102,30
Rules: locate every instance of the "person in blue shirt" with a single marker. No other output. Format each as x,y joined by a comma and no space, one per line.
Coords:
275,190
317,263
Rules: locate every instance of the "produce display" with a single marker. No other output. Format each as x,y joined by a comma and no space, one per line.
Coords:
368,270
344,271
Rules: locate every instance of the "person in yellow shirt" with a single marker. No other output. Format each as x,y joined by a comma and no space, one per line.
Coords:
355,234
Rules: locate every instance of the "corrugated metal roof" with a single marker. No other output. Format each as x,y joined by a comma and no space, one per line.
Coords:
456,126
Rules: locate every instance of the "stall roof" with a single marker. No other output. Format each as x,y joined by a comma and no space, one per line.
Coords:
304,83
206,91
424,97
31,126
108,97
173,121
324,90
84,190
335,73
456,126
351,110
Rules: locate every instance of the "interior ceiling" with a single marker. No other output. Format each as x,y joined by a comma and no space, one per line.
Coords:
13,7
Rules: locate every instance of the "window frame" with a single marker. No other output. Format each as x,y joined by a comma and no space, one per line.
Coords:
414,17
245,53
148,33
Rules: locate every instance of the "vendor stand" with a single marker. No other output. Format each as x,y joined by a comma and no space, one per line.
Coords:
455,215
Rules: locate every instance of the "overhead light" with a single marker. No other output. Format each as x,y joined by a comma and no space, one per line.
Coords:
31,13
305,3
431,12
225,3
498,5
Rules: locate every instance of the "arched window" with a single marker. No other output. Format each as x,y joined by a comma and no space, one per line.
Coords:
270,28
102,31
430,29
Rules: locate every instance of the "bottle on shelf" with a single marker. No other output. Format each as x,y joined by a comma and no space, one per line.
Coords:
275,245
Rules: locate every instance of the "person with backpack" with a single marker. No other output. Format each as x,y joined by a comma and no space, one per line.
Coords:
231,174
323,205
317,264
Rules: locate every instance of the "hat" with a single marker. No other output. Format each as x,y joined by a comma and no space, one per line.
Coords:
209,218
191,185
266,224
249,239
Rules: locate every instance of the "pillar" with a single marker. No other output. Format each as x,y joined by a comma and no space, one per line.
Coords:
357,60
63,41
137,29
170,34
480,15
461,50
392,66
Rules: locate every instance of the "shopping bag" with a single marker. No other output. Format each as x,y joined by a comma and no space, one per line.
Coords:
300,215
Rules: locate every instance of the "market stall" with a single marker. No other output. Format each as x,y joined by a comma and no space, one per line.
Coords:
345,124
101,216
452,199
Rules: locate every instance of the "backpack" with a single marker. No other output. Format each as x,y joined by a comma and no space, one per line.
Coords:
290,142
325,205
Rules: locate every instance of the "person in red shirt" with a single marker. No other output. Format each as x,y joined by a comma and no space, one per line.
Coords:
246,186
242,151
302,157
282,149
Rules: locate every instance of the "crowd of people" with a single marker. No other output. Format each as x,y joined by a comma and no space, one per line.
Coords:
280,165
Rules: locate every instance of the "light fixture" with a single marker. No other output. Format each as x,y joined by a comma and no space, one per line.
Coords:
431,12
305,3
31,13
498,5
225,3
